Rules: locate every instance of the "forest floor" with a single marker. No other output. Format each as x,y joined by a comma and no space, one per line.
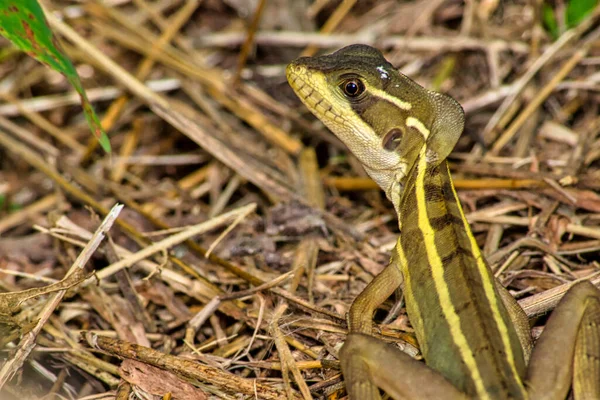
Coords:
247,228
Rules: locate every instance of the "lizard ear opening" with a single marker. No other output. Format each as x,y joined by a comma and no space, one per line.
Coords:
447,127
391,141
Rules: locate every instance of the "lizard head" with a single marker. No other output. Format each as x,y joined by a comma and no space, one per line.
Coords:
383,116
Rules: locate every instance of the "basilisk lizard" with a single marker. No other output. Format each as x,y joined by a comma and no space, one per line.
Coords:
473,335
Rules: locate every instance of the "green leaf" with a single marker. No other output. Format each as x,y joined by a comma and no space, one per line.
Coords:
549,20
10,206
577,10
24,24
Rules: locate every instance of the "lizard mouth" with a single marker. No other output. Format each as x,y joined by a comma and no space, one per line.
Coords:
300,79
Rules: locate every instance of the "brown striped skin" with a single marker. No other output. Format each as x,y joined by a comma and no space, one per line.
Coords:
466,290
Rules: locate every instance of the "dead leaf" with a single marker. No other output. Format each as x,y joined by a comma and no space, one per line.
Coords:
159,382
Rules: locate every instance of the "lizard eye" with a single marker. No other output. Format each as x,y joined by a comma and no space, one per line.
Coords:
352,87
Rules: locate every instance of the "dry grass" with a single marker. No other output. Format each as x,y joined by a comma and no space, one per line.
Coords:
247,228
